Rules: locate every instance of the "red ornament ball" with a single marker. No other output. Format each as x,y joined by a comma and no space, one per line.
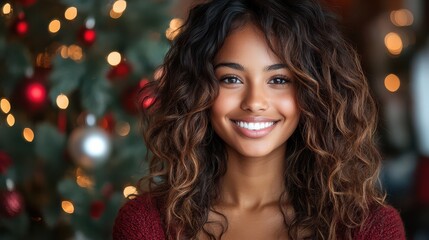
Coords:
97,209
36,93
5,162
20,26
119,71
12,204
88,36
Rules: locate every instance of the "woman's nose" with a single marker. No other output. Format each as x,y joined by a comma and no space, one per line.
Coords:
254,99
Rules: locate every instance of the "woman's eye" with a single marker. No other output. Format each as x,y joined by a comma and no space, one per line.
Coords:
279,80
231,80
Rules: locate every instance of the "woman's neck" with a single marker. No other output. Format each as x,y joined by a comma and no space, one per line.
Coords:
252,182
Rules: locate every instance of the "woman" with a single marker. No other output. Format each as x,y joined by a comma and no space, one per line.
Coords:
262,128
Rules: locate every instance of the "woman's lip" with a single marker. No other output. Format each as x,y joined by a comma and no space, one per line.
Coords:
254,119
254,133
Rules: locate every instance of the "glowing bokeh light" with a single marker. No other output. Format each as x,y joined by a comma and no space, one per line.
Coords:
129,190
393,43
6,9
114,58
10,119
54,26
62,101
392,82
119,6
402,17
5,105
67,207
28,134
36,93
70,13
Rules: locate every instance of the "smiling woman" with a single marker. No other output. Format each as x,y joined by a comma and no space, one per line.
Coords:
261,128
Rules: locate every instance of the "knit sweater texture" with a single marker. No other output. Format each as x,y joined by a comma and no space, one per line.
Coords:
139,219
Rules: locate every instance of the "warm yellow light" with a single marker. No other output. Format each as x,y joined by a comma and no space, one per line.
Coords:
54,26
176,23
129,190
402,17
64,51
83,180
114,58
392,82
114,14
67,207
119,6
70,13
43,60
7,9
28,134
393,43
171,33
10,119
123,129
75,52
5,105
62,101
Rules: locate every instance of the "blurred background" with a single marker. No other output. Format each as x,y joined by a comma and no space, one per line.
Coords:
70,147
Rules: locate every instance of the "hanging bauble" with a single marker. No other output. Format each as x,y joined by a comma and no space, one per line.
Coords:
11,203
35,94
119,71
129,99
20,26
27,3
97,209
89,146
5,162
87,36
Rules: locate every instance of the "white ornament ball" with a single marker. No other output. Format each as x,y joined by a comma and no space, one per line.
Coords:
89,146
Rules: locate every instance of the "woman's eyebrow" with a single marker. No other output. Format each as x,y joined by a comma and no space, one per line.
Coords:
235,66
275,67
240,67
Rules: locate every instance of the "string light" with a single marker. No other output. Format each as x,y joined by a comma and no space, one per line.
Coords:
10,119
75,52
67,207
114,14
402,17
43,60
28,134
62,101
123,129
70,13
128,191
83,180
174,28
54,26
7,9
119,6
393,43
5,105
392,82
114,58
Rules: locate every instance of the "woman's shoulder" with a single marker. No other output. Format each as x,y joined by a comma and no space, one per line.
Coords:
138,218
384,222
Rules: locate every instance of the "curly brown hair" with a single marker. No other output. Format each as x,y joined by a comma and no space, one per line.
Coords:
331,175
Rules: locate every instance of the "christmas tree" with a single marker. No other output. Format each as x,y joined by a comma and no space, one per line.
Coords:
70,147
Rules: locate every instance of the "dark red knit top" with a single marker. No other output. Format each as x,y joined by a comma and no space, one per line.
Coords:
139,219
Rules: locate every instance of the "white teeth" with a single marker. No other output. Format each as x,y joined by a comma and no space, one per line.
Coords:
254,125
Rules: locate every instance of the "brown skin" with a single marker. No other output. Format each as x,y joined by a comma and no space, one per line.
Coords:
253,183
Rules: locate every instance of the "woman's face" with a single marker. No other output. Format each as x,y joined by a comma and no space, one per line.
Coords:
256,110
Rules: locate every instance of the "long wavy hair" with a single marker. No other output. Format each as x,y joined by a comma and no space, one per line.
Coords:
331,175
